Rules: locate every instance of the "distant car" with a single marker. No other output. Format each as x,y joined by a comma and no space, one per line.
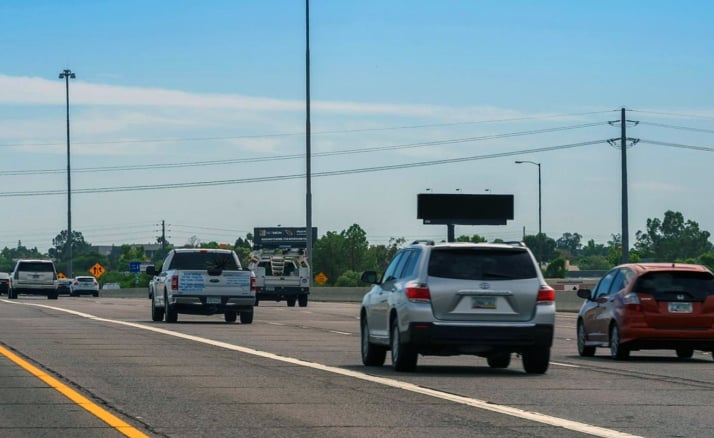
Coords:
31,276
63,286
4,282
84,285
488,300
647,306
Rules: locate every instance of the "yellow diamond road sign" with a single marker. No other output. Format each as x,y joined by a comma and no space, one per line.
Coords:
97,270
321,278
61,275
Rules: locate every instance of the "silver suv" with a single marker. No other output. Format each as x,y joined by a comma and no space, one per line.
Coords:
482,299
34,277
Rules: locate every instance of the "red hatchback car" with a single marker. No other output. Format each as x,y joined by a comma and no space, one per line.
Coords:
648,306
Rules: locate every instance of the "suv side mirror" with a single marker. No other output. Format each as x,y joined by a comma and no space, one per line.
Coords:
584,293
369,277
150,270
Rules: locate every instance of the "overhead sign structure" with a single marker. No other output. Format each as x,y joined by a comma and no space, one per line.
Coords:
464,209
97,270
281,237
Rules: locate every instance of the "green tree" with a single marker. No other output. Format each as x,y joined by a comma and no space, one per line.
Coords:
556,268
355,246
672,238
473,239
59,246
593,249
328,256
349,279
542,246
569,242
594,263
379,256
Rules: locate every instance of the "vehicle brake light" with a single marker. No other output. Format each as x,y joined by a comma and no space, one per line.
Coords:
632,302
174,282
418,293
546,294
252,284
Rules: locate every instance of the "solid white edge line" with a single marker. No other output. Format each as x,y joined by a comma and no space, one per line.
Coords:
480,404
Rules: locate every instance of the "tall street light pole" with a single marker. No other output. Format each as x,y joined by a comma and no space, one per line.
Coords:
66,75
540,209
308,152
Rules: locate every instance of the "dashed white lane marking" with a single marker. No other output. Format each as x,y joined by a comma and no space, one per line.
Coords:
339,333
565,365
476,403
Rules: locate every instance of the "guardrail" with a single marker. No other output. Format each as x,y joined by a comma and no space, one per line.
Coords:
566,299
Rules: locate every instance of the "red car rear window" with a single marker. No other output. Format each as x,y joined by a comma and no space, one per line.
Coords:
666,285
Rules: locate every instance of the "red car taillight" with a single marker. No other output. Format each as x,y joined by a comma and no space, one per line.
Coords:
632,302
546,294
418,293
252,284
174,282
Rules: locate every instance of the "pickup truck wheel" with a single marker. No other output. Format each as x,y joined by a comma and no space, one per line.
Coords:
157,313
52,295
246,317
230,315
291,301
171,313
11,294
302,300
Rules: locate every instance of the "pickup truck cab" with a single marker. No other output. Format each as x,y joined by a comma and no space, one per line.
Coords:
202,282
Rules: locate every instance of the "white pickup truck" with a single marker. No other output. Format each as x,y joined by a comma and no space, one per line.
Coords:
281,274
202,282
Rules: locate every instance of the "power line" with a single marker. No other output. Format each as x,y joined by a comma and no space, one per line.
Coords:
298,156
693,116
679,146
683,128
297,176
289,134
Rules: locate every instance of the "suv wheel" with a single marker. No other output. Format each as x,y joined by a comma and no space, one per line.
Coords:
157,313
372,355
536,360
11,294
291,301
617,350
499,360
52,295
583,350
404,356
246,317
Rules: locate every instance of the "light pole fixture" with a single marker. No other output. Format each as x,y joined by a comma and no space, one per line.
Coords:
66,74
540,207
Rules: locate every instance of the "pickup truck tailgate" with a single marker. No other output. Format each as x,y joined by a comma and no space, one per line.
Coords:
228,283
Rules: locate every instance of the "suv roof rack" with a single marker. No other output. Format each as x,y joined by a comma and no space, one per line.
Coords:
515,243
423,242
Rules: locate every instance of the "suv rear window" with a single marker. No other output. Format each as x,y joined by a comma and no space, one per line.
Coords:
36,267
481,264
667,285
204,261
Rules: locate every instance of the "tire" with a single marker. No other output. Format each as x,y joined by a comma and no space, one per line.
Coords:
157,313
617,350
583,350
171,313
536,360
52,295
291,301
372,355
230,315
685,353
11,294
246,317
302,300
404,356
499,360
95,294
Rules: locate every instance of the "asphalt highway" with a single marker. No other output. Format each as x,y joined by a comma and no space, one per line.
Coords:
99,367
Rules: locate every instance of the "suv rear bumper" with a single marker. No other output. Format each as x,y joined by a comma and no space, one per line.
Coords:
458,339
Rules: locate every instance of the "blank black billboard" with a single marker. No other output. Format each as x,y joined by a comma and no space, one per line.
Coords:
463,209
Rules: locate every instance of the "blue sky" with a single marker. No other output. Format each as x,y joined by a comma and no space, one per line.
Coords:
163,84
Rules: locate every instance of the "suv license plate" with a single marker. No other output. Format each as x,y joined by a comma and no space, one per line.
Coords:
483,302
213,300
680,307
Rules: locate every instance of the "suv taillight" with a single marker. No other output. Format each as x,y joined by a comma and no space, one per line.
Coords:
546,294
417,293
174,282
252,284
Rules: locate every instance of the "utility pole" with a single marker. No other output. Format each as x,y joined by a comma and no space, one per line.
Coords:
66,75
308,176
163,238
625,238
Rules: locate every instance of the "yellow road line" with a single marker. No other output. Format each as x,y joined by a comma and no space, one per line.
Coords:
94,409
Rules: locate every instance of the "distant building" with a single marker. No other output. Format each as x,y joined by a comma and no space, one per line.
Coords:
150,249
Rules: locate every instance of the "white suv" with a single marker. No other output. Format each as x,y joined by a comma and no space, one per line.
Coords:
37,277
482,299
